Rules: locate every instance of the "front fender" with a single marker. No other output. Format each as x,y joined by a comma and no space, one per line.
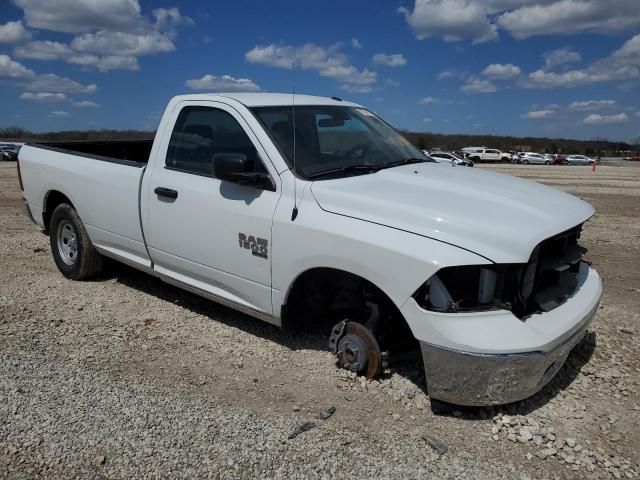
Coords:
396,261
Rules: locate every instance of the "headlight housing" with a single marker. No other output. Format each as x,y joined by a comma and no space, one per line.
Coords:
541,284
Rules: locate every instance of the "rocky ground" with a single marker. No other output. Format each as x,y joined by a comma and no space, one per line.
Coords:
125,377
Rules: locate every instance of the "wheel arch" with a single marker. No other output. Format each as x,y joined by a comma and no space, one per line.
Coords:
52,199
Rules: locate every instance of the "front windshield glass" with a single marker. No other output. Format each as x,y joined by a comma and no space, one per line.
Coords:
333,141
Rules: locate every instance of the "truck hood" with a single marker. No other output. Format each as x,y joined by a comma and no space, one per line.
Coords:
499,217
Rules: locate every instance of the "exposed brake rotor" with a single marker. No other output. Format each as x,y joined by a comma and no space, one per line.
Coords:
356,347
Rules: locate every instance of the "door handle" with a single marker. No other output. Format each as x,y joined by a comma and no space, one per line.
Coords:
166,192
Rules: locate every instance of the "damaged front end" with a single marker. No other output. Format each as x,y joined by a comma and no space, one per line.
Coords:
492,358
546,281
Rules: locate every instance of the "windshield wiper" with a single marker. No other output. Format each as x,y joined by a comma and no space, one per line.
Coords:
405,161
347,169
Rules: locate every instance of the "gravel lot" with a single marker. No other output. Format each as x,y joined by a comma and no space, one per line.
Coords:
125,377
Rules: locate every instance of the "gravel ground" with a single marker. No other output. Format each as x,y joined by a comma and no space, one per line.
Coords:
125,377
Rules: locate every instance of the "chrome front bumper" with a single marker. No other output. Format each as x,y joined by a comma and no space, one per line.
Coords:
475,379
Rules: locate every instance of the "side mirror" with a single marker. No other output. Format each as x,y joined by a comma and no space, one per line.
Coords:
231,167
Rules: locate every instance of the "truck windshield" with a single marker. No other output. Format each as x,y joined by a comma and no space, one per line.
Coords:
335,141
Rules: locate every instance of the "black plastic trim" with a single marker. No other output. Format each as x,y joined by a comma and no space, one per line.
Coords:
129,163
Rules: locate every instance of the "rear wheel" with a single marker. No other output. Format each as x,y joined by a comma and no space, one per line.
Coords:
71,247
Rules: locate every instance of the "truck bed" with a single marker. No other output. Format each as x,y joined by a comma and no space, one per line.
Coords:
126,151
101,180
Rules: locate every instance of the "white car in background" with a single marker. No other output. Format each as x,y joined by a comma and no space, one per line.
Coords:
535,158
446,157
489,155
579,160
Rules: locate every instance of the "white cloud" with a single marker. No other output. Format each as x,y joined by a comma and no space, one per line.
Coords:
443,75
112,33
427,120
560,57
565,17
43,50
478,20
49,50
58,114
355,43
328,62
452,20
43,97
478,85
428,100
14,32
497,71
540,114
11,69
122,44
389,60
106,63
355,88
53,83
592,105
223,83
86,104
169,19
77,16
391,83
638,114
595,119
622,65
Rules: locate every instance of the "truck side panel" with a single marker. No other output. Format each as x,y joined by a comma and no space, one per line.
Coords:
105,194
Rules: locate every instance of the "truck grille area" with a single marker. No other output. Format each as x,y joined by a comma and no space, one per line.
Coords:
550,276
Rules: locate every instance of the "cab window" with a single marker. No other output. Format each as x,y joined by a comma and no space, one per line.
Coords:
200,133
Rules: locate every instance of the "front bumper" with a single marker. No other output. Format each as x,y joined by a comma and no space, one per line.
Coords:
490,358
474,379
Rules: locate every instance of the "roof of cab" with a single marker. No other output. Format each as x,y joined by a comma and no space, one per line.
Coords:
267,99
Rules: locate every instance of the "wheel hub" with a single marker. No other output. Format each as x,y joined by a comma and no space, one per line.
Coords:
356,348
67,241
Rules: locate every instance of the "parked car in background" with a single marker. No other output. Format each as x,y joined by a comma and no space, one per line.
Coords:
469,150
559,159
9,152
579,160
489,155
635,158
446,157
535,158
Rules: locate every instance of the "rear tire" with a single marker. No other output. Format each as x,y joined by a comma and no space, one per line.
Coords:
72,250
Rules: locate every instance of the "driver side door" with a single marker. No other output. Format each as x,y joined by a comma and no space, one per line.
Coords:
212,235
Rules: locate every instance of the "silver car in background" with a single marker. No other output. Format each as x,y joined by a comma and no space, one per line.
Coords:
579,160
446,157
535,158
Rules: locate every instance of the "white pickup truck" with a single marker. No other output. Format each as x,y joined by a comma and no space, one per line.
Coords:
329,215
487,155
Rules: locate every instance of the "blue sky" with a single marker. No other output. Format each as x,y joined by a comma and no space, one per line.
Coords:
562,68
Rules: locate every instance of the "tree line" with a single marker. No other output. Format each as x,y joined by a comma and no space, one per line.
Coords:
601,147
